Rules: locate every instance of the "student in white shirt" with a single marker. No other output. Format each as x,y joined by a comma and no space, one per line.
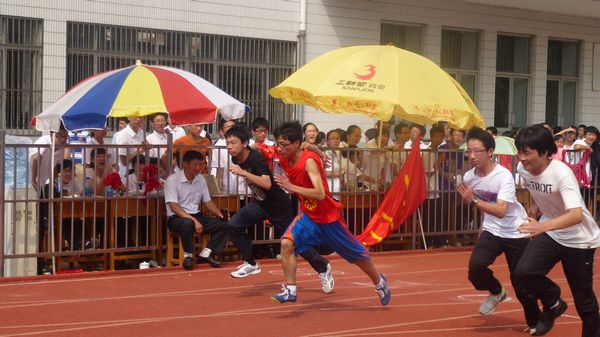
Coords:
132,134
184,190
158,136
220,162
566,232
490,187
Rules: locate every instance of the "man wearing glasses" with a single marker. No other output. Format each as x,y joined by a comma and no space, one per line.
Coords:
491,189
320,220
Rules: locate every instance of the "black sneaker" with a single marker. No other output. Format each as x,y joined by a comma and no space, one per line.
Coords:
188,263
210,260
546,321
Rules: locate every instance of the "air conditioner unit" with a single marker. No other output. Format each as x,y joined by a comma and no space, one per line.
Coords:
20,231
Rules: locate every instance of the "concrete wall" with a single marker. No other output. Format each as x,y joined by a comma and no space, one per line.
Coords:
330,24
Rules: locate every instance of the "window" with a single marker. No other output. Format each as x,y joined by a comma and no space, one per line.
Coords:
512,81
402,36
20,72
460,57
561,85
246,68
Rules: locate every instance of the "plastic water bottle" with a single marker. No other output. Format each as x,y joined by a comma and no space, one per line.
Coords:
88,187
109,191
277,169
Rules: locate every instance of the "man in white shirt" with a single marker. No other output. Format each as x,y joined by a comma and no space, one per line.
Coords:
260,131
158,135
41,170
132,134
220,162
490,188
565,232
184,190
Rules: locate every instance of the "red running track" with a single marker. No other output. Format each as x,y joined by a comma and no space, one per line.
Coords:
431,296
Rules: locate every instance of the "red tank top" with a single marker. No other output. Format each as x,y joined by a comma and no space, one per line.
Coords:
320,211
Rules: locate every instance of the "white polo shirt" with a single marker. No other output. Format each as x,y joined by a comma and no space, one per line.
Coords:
127,137
187,195
156,138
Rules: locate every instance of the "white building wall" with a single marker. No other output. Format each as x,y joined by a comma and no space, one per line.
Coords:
339,23
330,24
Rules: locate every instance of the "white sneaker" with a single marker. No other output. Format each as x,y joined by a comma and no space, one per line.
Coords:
327,282
246,270
489,305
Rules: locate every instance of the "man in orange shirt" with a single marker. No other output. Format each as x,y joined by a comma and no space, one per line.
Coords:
184,144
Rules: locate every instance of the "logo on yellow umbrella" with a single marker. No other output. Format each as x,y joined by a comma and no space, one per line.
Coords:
369,75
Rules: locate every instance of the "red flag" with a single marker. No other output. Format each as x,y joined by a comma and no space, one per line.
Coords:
401,201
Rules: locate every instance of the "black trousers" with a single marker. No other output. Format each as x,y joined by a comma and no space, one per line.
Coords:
185,228
487,249
252,214
539,258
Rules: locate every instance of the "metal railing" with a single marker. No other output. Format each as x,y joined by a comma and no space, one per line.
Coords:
64,223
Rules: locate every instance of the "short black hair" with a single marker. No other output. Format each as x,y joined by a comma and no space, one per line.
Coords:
536,138
222,123
159,114
483,136
239,131
593,129
291,131
260,122
581,126
493,129
191,155
351,128
436,129
97,151
399,127
66,164
321,136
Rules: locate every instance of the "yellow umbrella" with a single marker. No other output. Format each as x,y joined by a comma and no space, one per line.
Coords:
380,81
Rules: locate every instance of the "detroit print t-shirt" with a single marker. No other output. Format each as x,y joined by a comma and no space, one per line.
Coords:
555,191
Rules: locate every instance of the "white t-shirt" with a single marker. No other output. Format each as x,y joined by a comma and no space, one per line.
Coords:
156,138
220,158
578,156
177,131
335,165
127,137
45,162
498,185
554,191
185,194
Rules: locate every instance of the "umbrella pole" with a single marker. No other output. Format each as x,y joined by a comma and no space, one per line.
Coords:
380,133
421,226
51,208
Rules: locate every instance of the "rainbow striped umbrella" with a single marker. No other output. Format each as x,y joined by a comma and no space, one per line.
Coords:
137,91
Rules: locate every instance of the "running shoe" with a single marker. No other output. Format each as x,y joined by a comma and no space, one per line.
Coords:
546,322
489,305
384,292
284,296
245,270
327,282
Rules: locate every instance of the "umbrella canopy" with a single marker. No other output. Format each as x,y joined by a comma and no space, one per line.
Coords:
504,146
380,81
137,91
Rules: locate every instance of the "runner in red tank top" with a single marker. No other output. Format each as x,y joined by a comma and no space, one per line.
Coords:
320,221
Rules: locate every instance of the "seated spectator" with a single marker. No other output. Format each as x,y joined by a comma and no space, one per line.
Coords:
351,163
97,138
184,190
135,179
66,185
98,170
